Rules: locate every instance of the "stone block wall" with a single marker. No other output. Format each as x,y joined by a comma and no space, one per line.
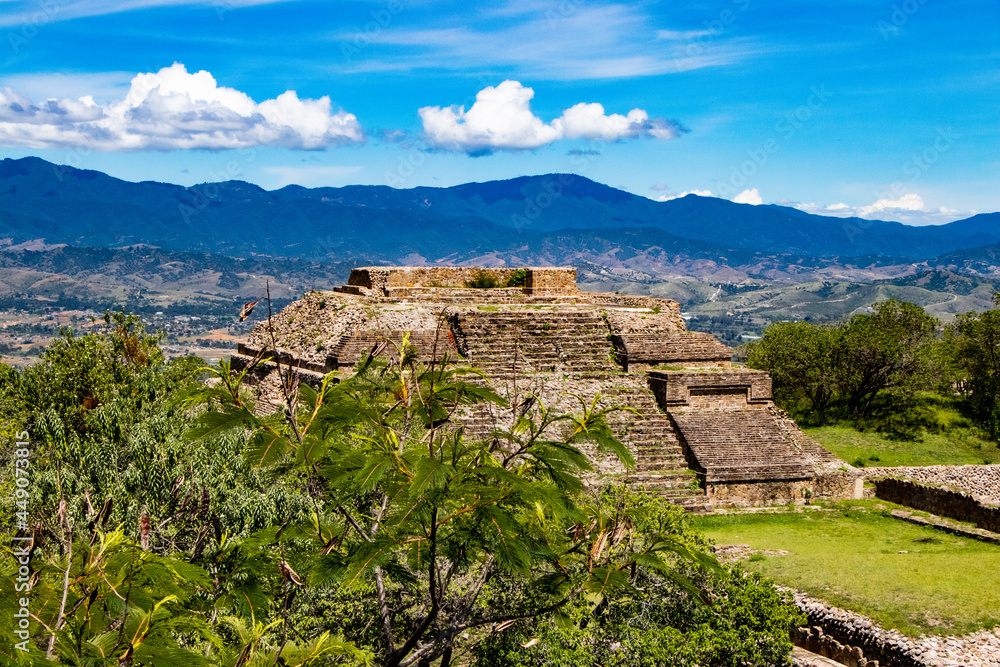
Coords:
379,279
831,485
560,280
958,506
719,389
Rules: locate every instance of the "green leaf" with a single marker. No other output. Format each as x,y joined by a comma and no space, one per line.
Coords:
214,423
506,538
267,448
367,557
430,474
607,580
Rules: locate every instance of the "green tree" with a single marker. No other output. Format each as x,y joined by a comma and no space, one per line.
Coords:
885,350
975,339
409,507
800,357
748,623
656,623
139,549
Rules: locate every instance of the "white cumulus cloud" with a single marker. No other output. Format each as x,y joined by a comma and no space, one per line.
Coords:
501,119
908,202
749,197
174,110
907,208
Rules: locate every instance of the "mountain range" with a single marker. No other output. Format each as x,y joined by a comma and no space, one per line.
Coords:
550,219
80,239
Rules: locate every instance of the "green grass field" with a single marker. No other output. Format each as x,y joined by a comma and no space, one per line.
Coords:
851,558
959,446
944,436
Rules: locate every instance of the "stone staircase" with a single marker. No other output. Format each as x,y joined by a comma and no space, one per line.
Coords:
356,346
575,343
661,467
570,341
740,445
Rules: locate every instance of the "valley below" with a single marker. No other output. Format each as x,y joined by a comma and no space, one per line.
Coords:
75,243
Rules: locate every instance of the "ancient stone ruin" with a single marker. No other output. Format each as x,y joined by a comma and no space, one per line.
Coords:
704,432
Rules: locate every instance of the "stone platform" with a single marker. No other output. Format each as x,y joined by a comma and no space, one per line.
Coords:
703,433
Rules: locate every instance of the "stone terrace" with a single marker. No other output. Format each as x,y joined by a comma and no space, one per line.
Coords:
549,340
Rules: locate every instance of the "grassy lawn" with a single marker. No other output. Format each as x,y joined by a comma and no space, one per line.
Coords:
958,446
938,433
851,558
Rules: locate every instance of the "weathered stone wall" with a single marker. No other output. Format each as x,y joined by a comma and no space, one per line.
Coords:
831,485
729,389
982,481
958,506
559,280
891,648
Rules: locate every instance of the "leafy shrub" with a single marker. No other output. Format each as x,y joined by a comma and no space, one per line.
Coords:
518,278
483,280
747,624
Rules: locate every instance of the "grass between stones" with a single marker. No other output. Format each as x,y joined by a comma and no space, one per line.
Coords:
914,579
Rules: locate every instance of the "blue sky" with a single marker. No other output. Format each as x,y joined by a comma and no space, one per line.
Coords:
886,109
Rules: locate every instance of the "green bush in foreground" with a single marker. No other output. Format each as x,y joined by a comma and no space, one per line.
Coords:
747,623
173,525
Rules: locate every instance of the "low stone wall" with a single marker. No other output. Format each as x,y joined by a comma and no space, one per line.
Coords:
716,389
982,481
892,648
377,279
832,485
951,504
815,640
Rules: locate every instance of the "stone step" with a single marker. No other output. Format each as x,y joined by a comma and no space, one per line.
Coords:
668,477
662,460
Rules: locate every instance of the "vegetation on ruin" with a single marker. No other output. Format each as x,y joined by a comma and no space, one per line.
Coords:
518,279
854,556
483,280
173,525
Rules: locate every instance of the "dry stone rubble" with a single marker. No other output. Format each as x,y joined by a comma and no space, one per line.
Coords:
891,648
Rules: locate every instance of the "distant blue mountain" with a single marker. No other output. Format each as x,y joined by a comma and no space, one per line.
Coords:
559,212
